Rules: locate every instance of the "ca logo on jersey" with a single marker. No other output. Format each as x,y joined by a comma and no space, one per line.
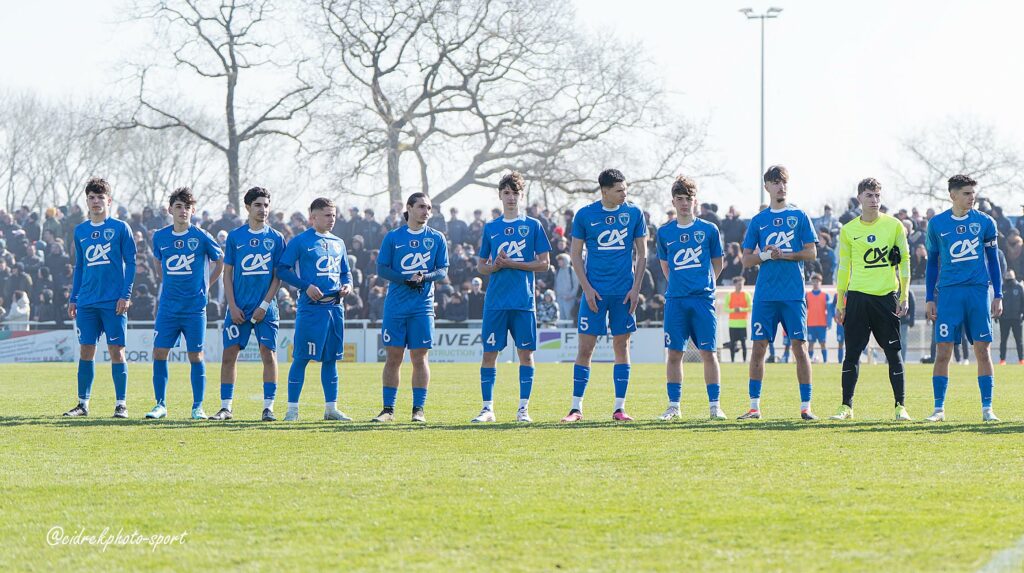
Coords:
326,265
964,250
414,263
876,257
687,258
256,264
612,240
781,239
97,255
514,250
180,264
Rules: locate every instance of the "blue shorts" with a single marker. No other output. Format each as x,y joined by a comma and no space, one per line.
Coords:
817,333
238,334
91,321
840,333
767,315
498,323
612,314
691,318
319,333
169,327
408,331
963,310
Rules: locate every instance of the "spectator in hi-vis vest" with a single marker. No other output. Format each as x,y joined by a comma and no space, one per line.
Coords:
738,303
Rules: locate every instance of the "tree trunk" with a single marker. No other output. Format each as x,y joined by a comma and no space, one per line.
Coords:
233,176
394,178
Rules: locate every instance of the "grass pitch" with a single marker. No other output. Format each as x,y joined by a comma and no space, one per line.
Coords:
774,495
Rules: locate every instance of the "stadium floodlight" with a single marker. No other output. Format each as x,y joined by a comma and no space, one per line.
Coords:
749,13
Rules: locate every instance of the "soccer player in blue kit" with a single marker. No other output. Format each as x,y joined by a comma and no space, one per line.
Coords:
690,251
412,257
251,254
512,248
316,263
784,238
615,236
101,292
963,261
182,249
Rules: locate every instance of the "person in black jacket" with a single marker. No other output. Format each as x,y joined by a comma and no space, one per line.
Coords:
907,322
1013,315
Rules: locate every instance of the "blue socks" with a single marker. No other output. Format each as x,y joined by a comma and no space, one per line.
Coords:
119,372
86,374
269,390
620,373
824,356
580,378
329,380
675,392
390,395
296,378
525,382
713,392
487,378
198,378
227,391
939,384
805,392
419,397
160,381
754,388
985,384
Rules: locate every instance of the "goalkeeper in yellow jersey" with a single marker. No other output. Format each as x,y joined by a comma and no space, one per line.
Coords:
874,275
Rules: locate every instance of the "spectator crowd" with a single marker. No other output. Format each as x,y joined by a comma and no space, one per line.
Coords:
36,266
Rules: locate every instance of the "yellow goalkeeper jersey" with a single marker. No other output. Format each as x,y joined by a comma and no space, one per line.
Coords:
864,251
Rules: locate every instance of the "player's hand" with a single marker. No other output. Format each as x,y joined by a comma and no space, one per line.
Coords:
997,307
417,278
237,316
122,306
344,290
314,293
775,251
72,310
592,297
257,315
502,261
840,315
929,311
902,308
634,298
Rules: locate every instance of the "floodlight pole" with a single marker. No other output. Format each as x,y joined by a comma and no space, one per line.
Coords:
772,12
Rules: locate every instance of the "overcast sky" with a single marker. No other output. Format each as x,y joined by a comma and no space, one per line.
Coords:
845,80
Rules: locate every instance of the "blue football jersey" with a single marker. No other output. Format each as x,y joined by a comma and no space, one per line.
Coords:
609,236
688,250
407,253
317,259
253,256
789,229
521,240
960,245
183,263
104,263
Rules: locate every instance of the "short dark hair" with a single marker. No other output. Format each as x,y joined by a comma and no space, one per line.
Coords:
513,180
958,181
815,276
182,194
320,203
254,194
684,186
868,184
610,177
98,186
412,201
775,174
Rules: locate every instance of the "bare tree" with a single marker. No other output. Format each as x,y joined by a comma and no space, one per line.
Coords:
219,41
959,146
473,88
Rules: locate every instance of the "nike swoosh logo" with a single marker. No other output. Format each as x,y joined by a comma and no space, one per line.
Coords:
398,247
597,223
670,244
856,238
313,249
764,227
891,341
944,234
426,342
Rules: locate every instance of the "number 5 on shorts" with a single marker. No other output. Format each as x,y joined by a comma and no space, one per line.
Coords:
584,323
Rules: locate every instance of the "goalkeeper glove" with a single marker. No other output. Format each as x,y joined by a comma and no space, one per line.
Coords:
894,256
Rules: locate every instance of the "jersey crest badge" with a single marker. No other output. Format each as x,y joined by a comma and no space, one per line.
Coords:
975,228
960,229
268,244
792,221
193,244
108,234
698,236
428,243
524,230
179,244
624,218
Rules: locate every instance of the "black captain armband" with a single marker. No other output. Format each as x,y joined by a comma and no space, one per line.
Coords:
894,256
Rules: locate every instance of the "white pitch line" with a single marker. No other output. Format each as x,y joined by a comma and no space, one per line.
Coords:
1011,559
